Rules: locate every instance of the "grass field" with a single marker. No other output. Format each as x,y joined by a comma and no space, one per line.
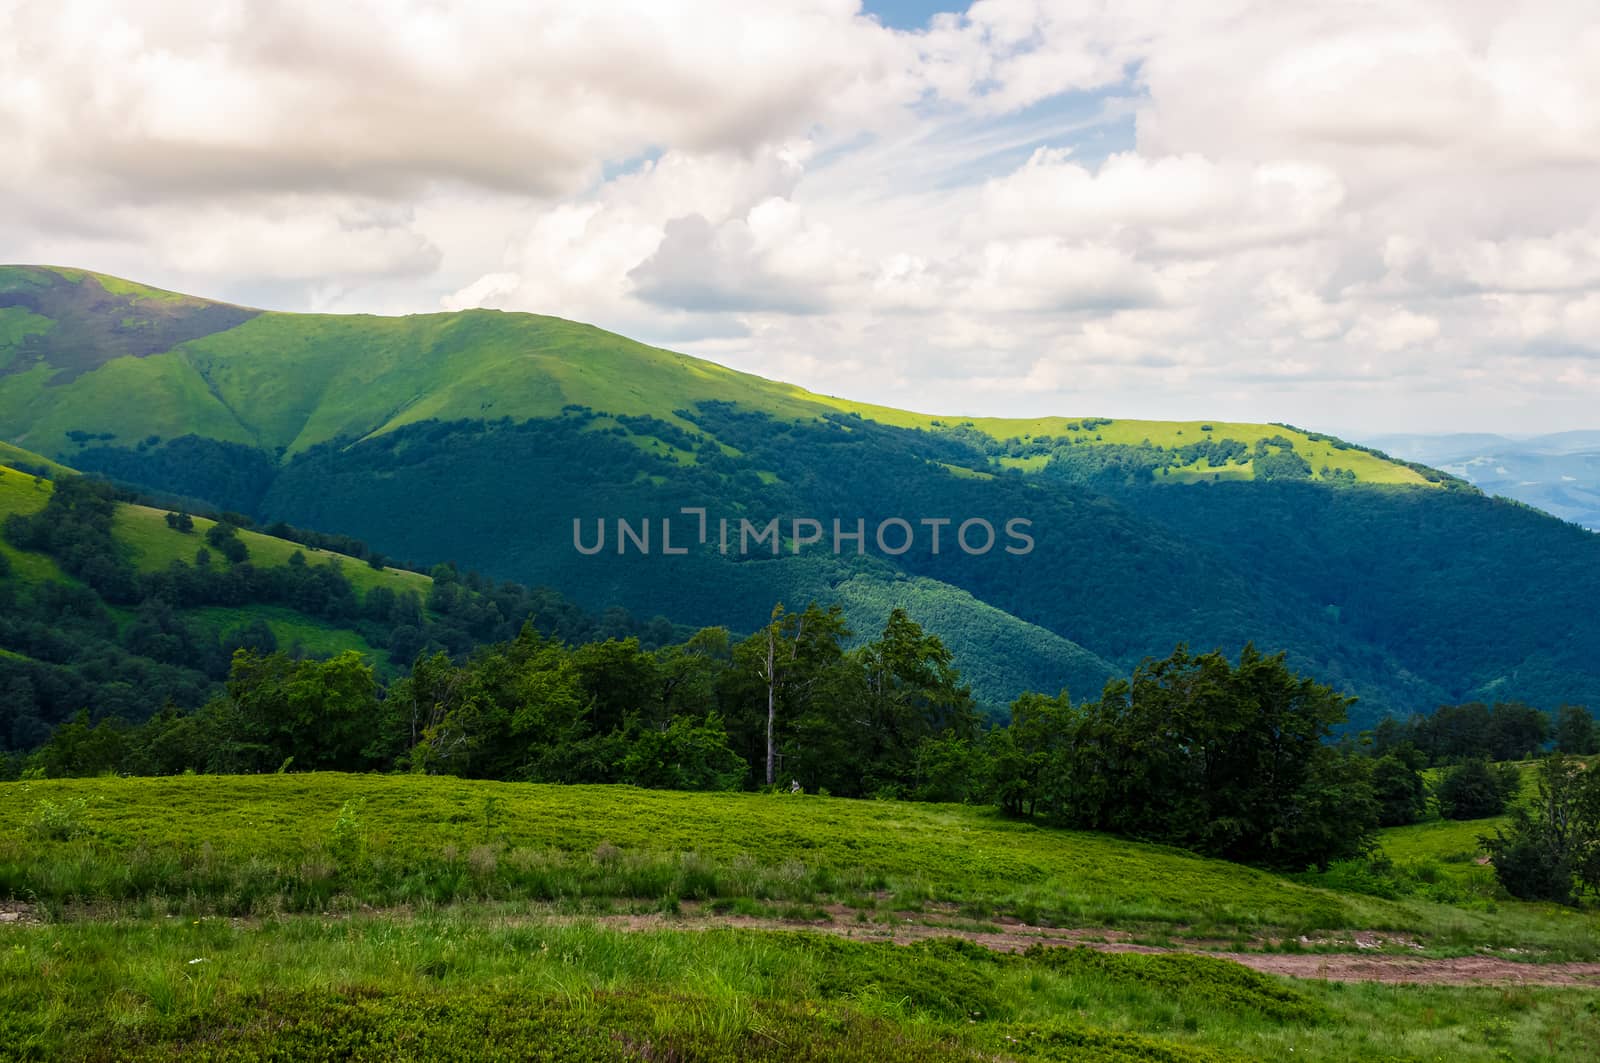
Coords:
1449,840
253,844
457,985
367,917
314,636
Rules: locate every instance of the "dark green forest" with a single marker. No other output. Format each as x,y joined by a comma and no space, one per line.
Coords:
1404,597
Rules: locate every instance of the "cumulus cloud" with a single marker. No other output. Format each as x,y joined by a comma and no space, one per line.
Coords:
163,100
1342,214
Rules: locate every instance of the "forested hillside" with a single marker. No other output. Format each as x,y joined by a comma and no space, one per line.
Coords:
1393,582
117,610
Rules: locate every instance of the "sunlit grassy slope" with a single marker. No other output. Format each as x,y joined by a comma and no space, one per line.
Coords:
15,457
285,382
1451,841
153,545
292,630
25,494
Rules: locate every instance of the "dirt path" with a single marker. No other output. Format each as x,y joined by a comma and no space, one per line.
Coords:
1016,937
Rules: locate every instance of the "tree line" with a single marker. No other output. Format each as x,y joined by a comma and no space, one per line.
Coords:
1465,741
1224,758
1503,731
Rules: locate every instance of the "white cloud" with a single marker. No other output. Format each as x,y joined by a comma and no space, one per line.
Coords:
1183,204
1394,330
1356,214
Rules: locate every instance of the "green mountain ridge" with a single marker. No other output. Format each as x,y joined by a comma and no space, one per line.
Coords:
481,436
280,382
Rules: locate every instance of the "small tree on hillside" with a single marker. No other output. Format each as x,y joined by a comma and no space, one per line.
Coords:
1476,790
1576,731
790,655
1398,787
1553,847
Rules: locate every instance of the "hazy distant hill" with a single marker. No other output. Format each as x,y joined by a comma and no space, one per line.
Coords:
480,436
1558,473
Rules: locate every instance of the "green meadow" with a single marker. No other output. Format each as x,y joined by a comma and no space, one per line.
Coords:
25,494
369,917
458,985
249,845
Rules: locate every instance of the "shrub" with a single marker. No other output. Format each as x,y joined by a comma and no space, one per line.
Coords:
1528,865
1200,981
1474,790
1555,844
1398,786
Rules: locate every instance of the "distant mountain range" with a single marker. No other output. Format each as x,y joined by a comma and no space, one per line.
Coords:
1558,473
482,437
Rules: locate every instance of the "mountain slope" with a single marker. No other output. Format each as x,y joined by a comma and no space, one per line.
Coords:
286,382
65,648
481,437
972,629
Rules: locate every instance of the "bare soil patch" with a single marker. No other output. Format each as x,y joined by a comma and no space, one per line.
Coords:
1014,936
15,913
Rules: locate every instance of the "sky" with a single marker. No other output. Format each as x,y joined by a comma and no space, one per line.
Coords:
1360,217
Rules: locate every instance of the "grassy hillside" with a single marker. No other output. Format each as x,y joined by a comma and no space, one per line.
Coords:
25,493
17,458
310,635
153,544
244,842
460,920
286,382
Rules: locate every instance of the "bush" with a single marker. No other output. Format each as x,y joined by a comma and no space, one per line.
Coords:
1375,878
225,539
1554,846
1398,786
1474,790
1529,865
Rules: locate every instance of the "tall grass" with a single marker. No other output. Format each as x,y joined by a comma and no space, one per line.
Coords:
257,845
458,985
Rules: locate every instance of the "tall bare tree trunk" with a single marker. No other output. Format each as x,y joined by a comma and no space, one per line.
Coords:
772,692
